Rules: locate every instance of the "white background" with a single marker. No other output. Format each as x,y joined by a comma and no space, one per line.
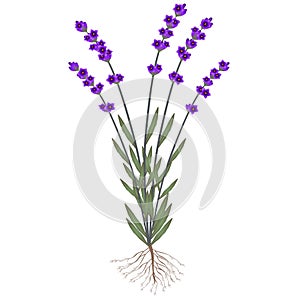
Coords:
245,245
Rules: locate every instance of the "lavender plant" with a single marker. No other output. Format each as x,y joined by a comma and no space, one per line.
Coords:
150,266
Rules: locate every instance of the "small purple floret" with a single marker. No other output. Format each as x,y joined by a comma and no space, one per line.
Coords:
103,107
81,26
180,9
191,108
175,77
82,74
154,70
223,66
73,66
190,43
199,89
206,23
207,81
110,107
93,35
106,56
214,73
205,93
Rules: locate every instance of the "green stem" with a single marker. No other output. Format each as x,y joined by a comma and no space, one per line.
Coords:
130,165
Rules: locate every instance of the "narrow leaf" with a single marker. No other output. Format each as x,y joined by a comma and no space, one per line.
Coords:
162,208
129,189
129,173
135,220
120,151
178,150
152,125
134,159
162,232
159,223
125,130
167,190
166,130
135,231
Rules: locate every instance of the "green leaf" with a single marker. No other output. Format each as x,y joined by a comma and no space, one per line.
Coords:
160,222
135,220
178,150
135,160
135,231
120,151
129,173
129,189
148,208
156,169
168,189
148,161
166,130
162,209
162,232
126,131
152,126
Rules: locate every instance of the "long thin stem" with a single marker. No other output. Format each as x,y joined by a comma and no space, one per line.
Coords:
127,114
169,160
146,129
130,165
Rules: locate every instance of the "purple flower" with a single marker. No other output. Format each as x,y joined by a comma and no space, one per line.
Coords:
154,70
185,56
82,74
213,73
199,89
168,20
94,47
90,79
190,43
73,66
195,32
81,26
181,50
101,49
205,93
86,83
201,36
166,33
100,86
110,106
180,9
94,90
93,35
160,45
103,107
106,56
172,76
206,23
101,43
118,78
191,108
223,66
207,81
87,38
174,23
111,79
179,79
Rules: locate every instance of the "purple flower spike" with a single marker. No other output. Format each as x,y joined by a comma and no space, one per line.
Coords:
190,43
205,93
110,107
213,73
97,89
159,45
103,107
223,66
82,74
180,9
207,81
199,89
73,66
93,35
206,23
191,108
154,70
81,26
